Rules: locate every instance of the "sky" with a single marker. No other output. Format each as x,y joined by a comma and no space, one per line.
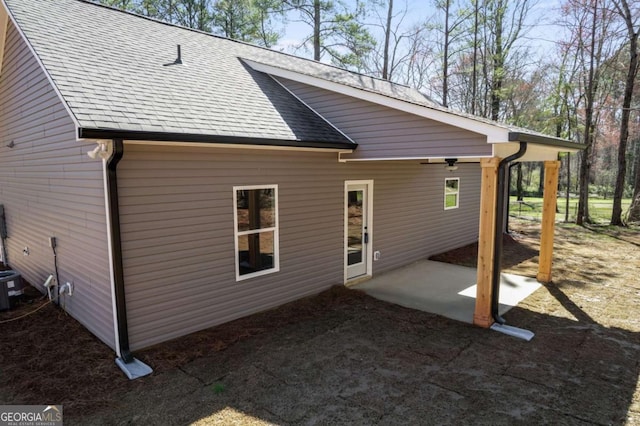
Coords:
541,35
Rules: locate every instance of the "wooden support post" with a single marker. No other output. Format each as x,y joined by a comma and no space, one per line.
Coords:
549,203
488,198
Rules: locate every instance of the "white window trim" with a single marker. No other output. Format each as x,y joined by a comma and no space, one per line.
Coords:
457,194
274,229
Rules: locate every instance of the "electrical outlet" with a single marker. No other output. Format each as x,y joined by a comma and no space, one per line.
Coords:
25,251
376,255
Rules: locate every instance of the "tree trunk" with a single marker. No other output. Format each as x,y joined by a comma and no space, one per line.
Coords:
519,182
498,65
568,194
445,59
474,77
316,30
582,216
616,214
585,163
634,210
541,180
387,39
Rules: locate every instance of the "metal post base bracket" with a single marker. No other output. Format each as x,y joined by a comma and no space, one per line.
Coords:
520,333
134,369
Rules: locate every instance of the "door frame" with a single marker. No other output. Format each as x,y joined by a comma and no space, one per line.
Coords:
369,214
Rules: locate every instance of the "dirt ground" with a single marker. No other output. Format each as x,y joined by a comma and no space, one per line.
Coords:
345,358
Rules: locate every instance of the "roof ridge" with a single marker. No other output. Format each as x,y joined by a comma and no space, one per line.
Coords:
268,49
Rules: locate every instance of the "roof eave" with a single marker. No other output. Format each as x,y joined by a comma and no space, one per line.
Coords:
136,135
545,140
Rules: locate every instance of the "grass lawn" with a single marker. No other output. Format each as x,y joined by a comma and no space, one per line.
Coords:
599,209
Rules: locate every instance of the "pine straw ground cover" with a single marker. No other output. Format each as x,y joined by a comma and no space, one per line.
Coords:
49,358
585,358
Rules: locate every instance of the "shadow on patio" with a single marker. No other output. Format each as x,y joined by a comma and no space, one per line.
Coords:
443,289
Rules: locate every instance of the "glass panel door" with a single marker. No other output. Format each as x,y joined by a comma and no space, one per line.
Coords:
355,220
357,229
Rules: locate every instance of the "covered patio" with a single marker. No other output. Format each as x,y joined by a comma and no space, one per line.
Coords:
443,289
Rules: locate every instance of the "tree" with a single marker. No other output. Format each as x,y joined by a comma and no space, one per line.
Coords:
630,21
590,23
505,23
247,20
474,74
336,31
453,21
634,209
399,46
387,39
564,111
482,54
163,10
193,14
446,6
120,4
420,59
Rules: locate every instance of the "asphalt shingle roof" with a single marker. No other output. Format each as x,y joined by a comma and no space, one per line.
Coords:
114,71
110,68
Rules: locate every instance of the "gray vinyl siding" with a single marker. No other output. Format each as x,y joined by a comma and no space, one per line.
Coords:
49,187
383,132
177,229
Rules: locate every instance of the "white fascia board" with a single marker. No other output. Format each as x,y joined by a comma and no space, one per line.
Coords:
436,159
5,9
535,152
493,133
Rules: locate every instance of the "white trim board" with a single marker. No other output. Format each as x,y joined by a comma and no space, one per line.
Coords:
434,160
535,152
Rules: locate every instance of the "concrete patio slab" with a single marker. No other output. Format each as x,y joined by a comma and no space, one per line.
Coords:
443,289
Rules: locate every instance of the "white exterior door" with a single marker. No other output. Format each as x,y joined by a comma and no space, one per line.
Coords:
358,228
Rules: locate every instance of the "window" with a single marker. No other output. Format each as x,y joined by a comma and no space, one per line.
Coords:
451,193
256,230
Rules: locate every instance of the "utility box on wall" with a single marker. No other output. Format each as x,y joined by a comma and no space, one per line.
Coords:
11,285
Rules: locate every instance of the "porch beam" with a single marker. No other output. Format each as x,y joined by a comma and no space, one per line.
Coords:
488,198
551,169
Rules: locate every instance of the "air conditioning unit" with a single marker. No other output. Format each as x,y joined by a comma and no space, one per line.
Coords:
11,285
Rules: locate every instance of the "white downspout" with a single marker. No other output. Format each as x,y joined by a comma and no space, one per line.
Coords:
112,278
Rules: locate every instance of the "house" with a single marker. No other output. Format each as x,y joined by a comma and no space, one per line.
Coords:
178,180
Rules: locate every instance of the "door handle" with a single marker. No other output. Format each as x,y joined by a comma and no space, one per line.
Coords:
366,238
